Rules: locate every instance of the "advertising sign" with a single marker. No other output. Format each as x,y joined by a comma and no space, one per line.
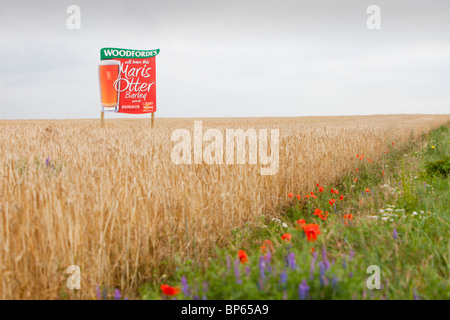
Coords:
128,80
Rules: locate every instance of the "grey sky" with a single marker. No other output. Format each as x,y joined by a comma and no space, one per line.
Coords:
231,58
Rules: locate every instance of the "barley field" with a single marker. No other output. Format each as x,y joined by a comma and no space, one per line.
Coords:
111,201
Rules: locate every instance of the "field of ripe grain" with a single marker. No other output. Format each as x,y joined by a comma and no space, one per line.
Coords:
112,202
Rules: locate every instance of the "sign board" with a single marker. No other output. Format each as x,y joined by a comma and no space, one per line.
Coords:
136,81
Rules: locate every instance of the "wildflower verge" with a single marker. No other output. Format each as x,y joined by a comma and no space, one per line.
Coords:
390,215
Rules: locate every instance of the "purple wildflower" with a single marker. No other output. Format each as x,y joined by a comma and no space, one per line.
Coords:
291,261
283,277
313,265
184,286
351,254
98,293
395,235
350,274
228,263
415,296
237,274
47,162
260,284
247,270
268,258
322,273
324,258
334,282
117,294
344,263
303,290
205,289
262,268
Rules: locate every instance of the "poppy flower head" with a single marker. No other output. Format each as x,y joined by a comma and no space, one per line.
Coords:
169,291
266,246
299,197
331,202
286,237
311,232
355,180
300,223
320,189
348,217
367,190
242,255
341,197
290,195
318,213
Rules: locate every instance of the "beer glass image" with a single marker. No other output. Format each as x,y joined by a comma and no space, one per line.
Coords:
109,72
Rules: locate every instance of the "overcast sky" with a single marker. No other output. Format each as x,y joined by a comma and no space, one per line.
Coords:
231,58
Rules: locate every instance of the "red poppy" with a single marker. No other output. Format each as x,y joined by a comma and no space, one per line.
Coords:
357,155
311,232
348,217
355,179
367,190
290,195
312,250
341,197
332,190
336,191
242,256
286,237
169,291
356,169
318,213
301,223
307,196
331,202
382,173
320,189
299,197
267,245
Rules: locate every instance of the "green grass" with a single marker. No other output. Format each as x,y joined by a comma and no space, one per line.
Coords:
400,225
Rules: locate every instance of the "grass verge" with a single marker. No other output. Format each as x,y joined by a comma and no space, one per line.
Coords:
381,232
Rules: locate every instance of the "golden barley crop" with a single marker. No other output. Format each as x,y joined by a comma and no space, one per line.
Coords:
112,202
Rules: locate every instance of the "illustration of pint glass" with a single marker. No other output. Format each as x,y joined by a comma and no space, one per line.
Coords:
109,73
